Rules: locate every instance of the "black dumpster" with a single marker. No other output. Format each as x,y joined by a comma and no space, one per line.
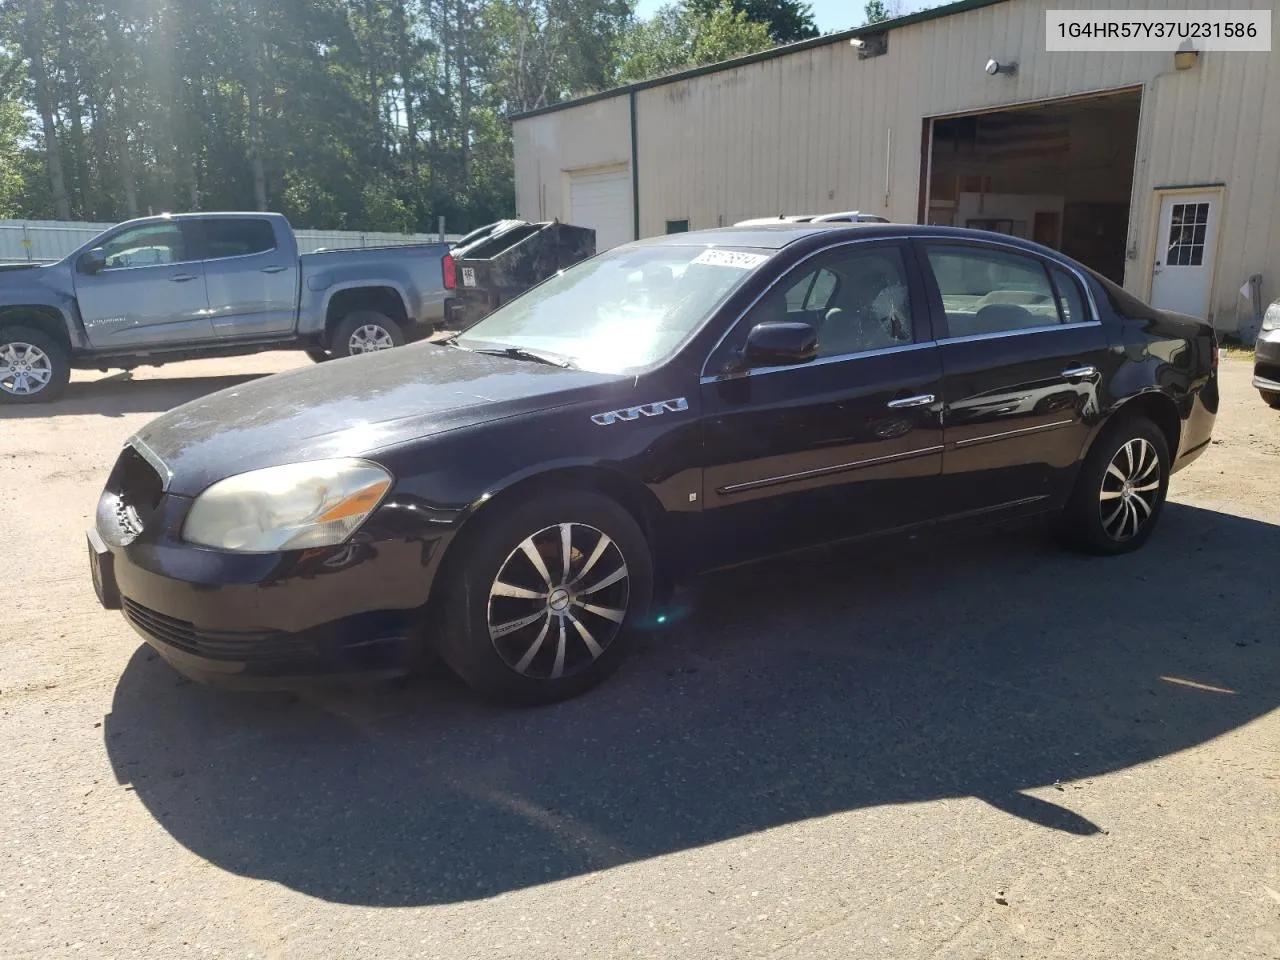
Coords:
502,260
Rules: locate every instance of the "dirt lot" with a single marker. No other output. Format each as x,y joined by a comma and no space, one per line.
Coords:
978,749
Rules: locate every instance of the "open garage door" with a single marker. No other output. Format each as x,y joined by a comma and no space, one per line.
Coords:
601,200
1059,173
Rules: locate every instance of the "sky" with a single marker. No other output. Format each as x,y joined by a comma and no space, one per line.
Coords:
829,14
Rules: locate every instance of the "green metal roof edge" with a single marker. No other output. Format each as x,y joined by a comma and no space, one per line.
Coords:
935,13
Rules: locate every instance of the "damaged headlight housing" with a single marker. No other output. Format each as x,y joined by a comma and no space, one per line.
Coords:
291,507
1271,319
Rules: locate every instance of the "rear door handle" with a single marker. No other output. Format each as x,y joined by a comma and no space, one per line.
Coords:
274,269
923,400
1086,372
182,277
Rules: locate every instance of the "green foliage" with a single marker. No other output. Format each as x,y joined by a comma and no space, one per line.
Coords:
680,36
355,114
786,20
877,11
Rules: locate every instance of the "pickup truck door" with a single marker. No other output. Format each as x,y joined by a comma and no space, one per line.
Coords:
251,271
150,292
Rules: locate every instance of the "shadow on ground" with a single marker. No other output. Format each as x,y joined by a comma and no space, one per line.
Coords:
873,676
120,394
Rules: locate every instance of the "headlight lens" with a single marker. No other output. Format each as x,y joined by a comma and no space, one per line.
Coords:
291,507
1271,319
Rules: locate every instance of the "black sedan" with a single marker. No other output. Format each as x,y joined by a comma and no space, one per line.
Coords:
519,499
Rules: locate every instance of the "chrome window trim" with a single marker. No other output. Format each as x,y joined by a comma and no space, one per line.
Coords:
275,241
1018,333
823,471
241,256
819,362
704,377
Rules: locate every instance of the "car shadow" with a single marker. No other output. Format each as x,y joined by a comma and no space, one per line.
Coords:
985,667
120,394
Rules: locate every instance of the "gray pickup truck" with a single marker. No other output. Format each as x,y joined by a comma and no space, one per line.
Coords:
170,288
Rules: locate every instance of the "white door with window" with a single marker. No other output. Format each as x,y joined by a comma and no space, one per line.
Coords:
1186,241
601,200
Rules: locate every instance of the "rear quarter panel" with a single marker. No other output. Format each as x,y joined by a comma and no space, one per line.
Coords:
414,272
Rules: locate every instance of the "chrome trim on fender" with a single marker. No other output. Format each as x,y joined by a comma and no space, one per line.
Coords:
1013,433
823,471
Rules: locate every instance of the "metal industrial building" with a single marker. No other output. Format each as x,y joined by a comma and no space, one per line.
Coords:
1159,170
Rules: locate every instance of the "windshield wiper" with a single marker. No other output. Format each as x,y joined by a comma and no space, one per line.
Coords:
523,353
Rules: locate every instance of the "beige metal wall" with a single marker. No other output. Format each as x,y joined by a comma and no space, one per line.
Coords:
822,130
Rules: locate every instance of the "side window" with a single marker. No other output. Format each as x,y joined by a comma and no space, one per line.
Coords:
856,297
145,246
1070,298
991,291
238,237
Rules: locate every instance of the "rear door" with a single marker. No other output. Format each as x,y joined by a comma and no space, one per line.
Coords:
847,444
1022,352
252,279
151,292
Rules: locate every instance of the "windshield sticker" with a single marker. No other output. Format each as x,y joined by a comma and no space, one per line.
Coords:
730,258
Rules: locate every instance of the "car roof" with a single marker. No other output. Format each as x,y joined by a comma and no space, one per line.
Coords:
777,235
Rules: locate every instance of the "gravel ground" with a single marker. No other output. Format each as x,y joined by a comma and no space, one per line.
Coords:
979,748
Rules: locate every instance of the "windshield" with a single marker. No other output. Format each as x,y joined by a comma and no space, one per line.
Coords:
623,310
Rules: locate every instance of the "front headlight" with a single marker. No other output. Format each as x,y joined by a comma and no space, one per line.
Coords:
291,507
1271,319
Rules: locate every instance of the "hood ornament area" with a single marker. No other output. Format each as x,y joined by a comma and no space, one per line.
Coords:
644,410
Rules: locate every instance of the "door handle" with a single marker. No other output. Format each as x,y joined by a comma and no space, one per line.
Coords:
923,400
274,268
182,277
1086,372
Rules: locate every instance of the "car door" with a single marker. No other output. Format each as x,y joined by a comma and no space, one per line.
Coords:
150,290
1022,353
252,279
846,444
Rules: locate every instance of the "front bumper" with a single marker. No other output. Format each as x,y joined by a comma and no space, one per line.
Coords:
265,620
1266,361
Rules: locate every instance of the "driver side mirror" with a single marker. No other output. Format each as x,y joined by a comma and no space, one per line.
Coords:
93,261
778,343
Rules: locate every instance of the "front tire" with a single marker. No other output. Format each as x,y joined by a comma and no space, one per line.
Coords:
1120,492
1271,399
34,367
544,600
365,331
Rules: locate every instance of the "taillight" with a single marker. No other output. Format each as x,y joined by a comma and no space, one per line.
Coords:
450,272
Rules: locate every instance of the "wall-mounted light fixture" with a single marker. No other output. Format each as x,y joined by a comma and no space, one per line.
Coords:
1186,56
995,67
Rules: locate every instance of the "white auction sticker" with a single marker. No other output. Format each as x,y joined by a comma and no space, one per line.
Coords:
729,258
468,276
1137,31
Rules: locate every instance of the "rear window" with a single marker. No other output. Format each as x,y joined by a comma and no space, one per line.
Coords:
1123,302
237,238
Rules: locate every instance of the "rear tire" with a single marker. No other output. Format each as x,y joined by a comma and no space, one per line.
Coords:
1271,399
34,367
365,331
1120,492
526,636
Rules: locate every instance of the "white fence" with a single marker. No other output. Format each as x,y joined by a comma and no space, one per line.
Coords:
46,240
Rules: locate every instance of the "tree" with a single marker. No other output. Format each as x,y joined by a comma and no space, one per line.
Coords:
878,11
678,36
786,20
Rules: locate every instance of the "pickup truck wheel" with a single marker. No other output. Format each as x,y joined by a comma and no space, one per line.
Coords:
365,331
33,366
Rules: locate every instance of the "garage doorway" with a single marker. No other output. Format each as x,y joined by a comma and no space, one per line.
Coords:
1058,172
600,198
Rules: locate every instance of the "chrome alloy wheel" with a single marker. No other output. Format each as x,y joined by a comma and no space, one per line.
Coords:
558,601
369,339
1130,489
24,369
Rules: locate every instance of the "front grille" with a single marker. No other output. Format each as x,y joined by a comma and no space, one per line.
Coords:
257,645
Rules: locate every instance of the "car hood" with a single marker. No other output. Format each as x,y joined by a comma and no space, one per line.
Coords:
349,407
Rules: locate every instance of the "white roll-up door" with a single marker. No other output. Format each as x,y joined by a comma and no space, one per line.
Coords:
601,200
